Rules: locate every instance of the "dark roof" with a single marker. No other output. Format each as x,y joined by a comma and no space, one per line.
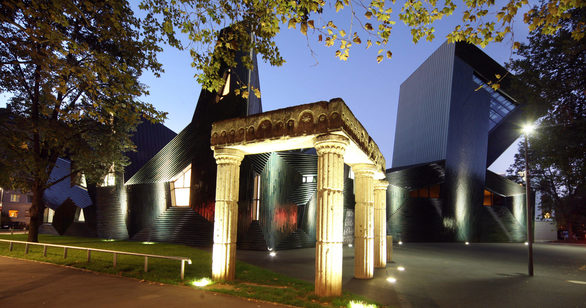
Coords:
417,176
169,161
57,194
149,139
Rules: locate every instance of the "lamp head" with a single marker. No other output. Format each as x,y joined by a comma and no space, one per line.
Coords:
528,129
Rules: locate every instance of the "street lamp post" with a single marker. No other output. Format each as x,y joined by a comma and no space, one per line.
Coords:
527,129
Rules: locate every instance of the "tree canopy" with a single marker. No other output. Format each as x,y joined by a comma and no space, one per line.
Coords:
71,68
255,24
552,67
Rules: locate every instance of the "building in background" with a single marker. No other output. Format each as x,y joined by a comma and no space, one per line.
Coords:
451,125
14,208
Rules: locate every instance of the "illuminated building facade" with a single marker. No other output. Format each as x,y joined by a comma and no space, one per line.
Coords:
451,125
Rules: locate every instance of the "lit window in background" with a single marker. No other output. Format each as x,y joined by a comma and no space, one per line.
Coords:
13,213
14,198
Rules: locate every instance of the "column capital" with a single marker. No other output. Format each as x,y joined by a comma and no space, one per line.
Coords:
381,185
331,143
228,156
364,169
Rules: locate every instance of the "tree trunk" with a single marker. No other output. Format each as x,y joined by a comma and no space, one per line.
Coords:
36,212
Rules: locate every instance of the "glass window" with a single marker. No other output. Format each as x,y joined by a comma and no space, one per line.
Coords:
48,215
180,188
15,198
110,179
500,106
13,213
79,217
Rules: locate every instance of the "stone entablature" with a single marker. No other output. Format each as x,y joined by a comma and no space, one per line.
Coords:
269,130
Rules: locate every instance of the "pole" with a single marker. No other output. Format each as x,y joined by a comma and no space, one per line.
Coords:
529,209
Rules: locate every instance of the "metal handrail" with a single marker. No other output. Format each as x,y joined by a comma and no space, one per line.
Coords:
114,253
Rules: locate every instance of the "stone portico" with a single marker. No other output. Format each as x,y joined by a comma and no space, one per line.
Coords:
339,138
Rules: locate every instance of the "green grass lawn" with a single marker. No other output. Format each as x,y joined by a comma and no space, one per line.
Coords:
251,281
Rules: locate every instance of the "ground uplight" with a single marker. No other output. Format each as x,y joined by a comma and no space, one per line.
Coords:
202,282
358,304
401,269
272,254
392,279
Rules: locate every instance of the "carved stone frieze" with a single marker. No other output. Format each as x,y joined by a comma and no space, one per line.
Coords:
309,119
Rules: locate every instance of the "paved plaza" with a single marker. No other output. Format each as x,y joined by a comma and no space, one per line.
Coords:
456,275
435,275
34,284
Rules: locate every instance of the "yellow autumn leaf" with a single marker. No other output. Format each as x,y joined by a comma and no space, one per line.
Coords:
368,14
310,24
379,59
339,5
292,23
368,26
303,28
368,44
389,54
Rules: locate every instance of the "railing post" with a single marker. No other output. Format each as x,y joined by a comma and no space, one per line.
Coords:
146,264
44,250
10,246
114,260
182,269
64,252
26,248
89,255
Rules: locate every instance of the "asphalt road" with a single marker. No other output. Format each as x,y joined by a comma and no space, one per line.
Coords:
456,275
33,284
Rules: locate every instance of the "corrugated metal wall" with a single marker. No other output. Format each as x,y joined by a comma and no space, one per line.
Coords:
423,114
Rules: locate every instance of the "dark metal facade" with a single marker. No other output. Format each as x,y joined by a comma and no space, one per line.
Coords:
445,120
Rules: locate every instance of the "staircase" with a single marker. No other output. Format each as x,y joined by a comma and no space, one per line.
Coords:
253,239
179,225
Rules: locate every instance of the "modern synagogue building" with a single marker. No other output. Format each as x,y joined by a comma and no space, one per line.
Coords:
451,126
448,132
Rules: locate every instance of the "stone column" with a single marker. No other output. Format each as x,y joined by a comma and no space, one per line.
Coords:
380,224
226,213
364,221
330,214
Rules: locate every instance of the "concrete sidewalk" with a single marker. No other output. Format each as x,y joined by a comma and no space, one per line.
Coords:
455,275
32,284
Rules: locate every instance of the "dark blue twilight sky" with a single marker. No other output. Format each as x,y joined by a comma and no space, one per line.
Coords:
370,89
